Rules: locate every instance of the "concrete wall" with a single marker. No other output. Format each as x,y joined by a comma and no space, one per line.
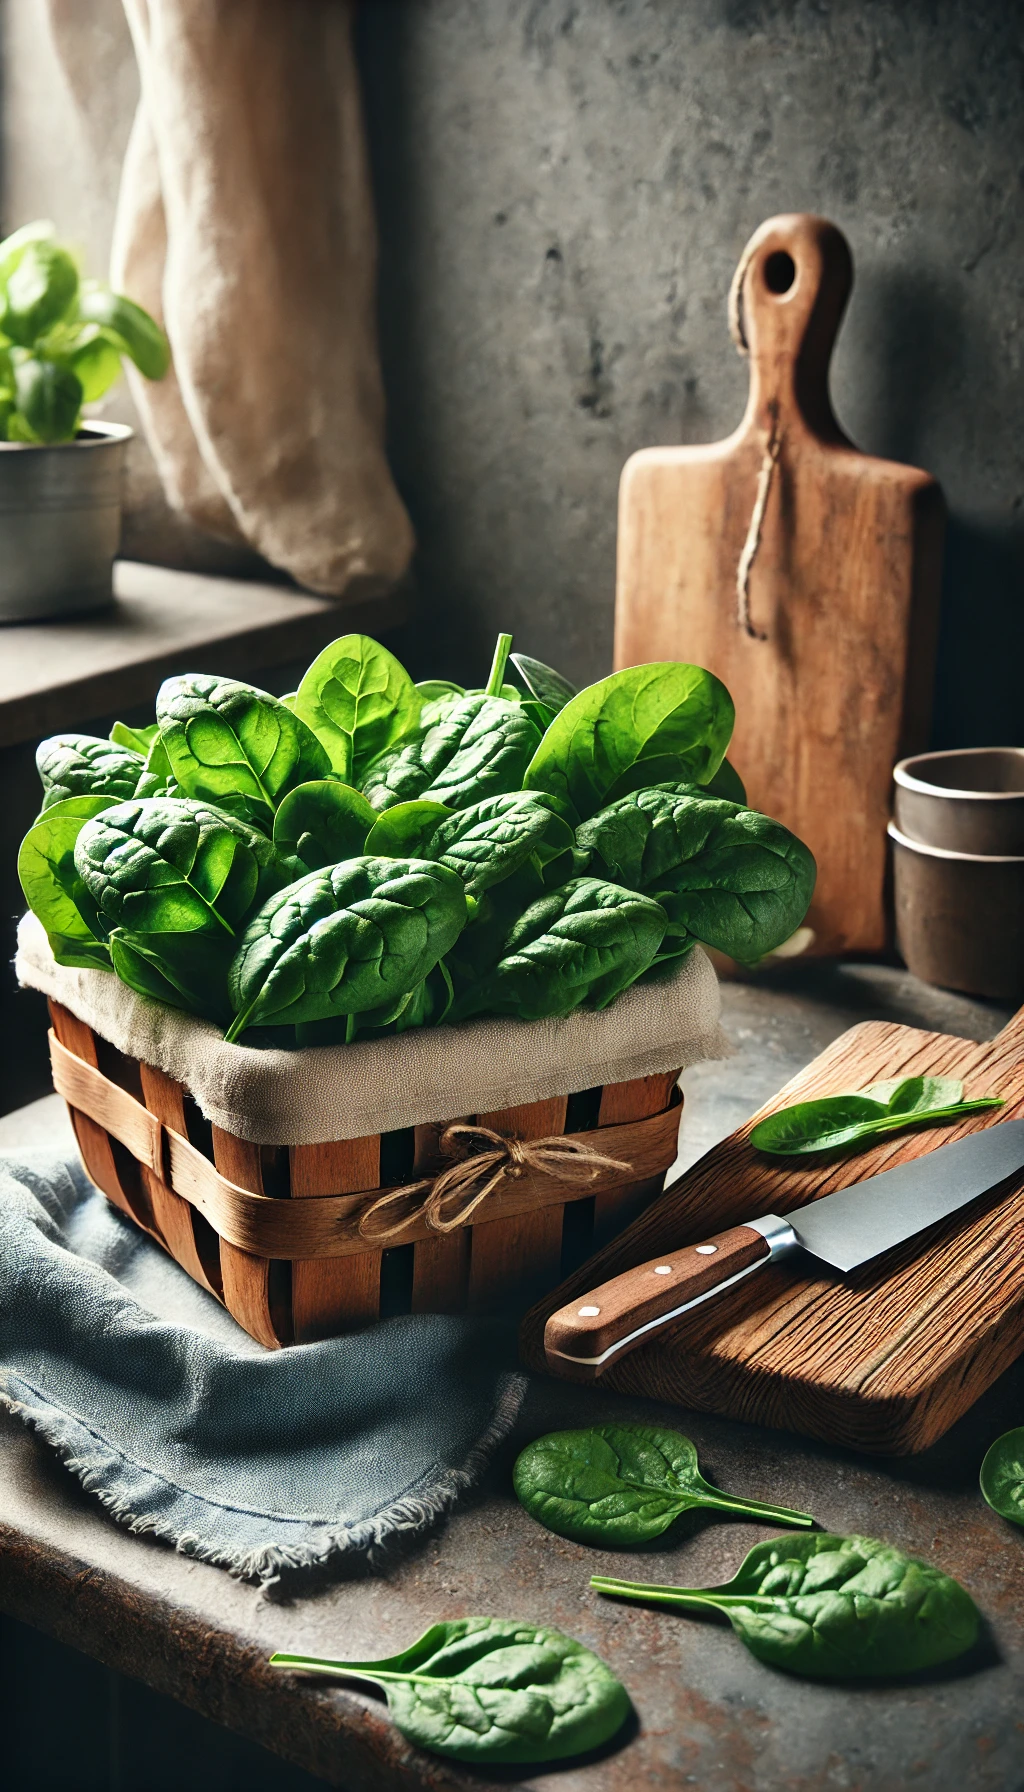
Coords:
563,192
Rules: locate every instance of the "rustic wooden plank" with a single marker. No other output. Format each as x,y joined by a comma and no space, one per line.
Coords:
832,683
245,1278
331,1295
511,1259
621,1102
885,1359
56,674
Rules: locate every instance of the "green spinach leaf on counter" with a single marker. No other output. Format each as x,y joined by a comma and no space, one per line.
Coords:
358,700
344,940
619,1486
1002,1476
322,823
80,765
235,746
491,1690
835,1121
832,1608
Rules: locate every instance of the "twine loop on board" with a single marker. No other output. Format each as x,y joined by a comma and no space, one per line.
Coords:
482,1159
769,458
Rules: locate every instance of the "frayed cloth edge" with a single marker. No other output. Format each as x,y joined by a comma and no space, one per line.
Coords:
404,1517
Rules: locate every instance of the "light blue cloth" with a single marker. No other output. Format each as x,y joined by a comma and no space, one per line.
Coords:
264,1462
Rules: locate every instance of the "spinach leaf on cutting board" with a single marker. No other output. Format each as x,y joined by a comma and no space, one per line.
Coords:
618,1486
834,1121
1002,1476
832,1608
491,1690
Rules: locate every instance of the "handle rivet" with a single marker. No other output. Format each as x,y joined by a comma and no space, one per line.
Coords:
589,1312
706,1250
663,1269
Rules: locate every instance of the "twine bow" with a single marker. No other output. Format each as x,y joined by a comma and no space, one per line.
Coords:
482,1160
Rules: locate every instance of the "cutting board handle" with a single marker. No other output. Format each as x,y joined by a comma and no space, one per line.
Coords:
1013,1032
788,296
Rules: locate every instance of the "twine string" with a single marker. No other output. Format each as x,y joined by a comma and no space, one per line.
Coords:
482,1159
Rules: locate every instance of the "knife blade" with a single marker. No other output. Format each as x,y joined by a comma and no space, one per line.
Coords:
843,1230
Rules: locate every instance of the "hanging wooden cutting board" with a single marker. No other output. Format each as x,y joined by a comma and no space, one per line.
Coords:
884,1359
802,572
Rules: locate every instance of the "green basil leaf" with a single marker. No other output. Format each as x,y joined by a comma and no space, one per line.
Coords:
183,970
585,942
49,398
545,684
403,832
491,1690
82,765
729,877
344,940
171,865
832,1608
128,328
95,362
480,747
322,823
1002,1476
665,712
53,888
39,290
13,247
358,700
137,740
619,1486
836,1121
234,745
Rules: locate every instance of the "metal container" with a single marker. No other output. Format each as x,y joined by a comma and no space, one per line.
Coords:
60,523
969,800
960,916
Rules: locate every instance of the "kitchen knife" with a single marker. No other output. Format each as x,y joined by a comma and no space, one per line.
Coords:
843,1230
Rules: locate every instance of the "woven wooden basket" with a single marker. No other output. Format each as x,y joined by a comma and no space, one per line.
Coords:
273,1231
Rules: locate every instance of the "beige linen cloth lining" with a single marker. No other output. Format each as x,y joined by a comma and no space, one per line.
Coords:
377,1085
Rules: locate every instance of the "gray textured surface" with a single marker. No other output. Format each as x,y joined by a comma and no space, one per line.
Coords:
708,1715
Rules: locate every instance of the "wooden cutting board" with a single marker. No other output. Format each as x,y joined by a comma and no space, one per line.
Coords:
803,573
882,1360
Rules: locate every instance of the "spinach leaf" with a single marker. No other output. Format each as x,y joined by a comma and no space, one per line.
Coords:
53,888
234,745
585,942
170,865
138,740
184,970
358,700
833,1121
1002,1476
545,684
663,712
81,765
483,844
479,747
618,1486
436,695
728,785
491,1690
322,823
343,940
726,876
833,1608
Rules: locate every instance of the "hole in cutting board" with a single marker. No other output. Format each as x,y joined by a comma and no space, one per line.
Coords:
779,271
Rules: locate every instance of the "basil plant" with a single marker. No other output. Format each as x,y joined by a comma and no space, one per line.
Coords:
62,338
368,854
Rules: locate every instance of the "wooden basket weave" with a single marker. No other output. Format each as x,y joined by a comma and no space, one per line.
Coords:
273,1231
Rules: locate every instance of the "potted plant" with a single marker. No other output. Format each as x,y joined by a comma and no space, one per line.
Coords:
61,343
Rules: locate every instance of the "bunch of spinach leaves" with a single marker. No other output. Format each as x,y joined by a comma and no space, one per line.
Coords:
491,1690
367,854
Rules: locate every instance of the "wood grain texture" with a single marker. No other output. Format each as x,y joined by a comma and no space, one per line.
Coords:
622,1102
512,1258
834,683
440,1265
180,1226
94,1142
882,1360
331,1295
245,1278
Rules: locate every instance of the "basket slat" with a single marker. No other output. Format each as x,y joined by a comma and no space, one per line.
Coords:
621,1102
510,1258
165,1098
332,1294
93,1140
440,1266
246,1279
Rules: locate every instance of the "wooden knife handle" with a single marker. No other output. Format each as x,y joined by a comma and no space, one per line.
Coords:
578,1335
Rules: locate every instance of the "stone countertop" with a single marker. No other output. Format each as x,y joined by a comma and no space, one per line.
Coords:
707,1714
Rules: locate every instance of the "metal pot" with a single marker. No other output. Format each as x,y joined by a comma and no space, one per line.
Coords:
960,916
60,523
967,800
